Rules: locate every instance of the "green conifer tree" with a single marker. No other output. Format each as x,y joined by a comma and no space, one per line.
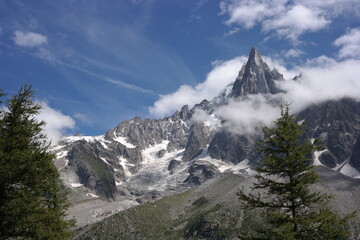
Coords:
290,210
32,198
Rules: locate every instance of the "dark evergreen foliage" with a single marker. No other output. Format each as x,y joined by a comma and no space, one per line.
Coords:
290,210
32,198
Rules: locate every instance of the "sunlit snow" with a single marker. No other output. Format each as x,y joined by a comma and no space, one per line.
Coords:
349,171
123,141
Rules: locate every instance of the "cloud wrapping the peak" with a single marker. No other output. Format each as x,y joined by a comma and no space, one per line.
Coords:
324,81
56,122
222,74
248,115
28,39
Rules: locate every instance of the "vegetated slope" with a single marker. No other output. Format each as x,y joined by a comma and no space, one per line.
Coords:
209,211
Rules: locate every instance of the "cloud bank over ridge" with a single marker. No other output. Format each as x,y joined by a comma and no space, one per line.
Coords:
322,79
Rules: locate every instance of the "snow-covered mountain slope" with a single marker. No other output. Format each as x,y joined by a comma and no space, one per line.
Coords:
141,160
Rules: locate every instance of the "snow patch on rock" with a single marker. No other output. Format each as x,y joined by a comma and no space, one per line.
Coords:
124,142
350,171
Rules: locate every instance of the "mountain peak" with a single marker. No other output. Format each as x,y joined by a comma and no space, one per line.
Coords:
255,77
254,53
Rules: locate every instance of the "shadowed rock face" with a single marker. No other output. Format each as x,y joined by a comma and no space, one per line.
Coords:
201,171
355,156
337,124
197,142
231,148
119,155
93,173
255,77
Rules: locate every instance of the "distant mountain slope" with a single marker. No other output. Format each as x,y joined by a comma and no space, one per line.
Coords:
142,160
211,211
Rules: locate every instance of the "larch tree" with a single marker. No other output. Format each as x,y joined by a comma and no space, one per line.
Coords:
289,209
33,200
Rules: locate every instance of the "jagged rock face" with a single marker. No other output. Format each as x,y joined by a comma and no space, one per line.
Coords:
93,172
230,147
199,138
140,154
173,164
355,156
255,77
148,132
337,124
201,171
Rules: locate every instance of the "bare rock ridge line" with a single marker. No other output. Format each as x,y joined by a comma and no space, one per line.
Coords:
256,77
143,158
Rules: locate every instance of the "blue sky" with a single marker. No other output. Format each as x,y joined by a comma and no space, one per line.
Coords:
96,63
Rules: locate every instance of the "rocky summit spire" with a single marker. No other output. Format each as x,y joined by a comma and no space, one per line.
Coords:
255,77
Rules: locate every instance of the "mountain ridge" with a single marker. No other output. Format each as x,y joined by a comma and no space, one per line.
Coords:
142,160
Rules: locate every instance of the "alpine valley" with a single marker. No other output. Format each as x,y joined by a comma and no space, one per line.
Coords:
177,177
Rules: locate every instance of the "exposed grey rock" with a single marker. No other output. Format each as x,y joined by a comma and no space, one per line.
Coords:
328,159
355,156
256,77
199,138
94,173
149,197
160,153
232,148
337,124
173,164
117,158
185,114
204,105
200,171
148,132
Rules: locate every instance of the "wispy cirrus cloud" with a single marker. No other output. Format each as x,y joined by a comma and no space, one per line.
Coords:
83,118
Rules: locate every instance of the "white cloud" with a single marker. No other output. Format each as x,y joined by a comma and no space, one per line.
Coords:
288,19
56,122
323,79
295,21
247,116
329,80
249,13
280,66
349,44
29,39
293,53
222,74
